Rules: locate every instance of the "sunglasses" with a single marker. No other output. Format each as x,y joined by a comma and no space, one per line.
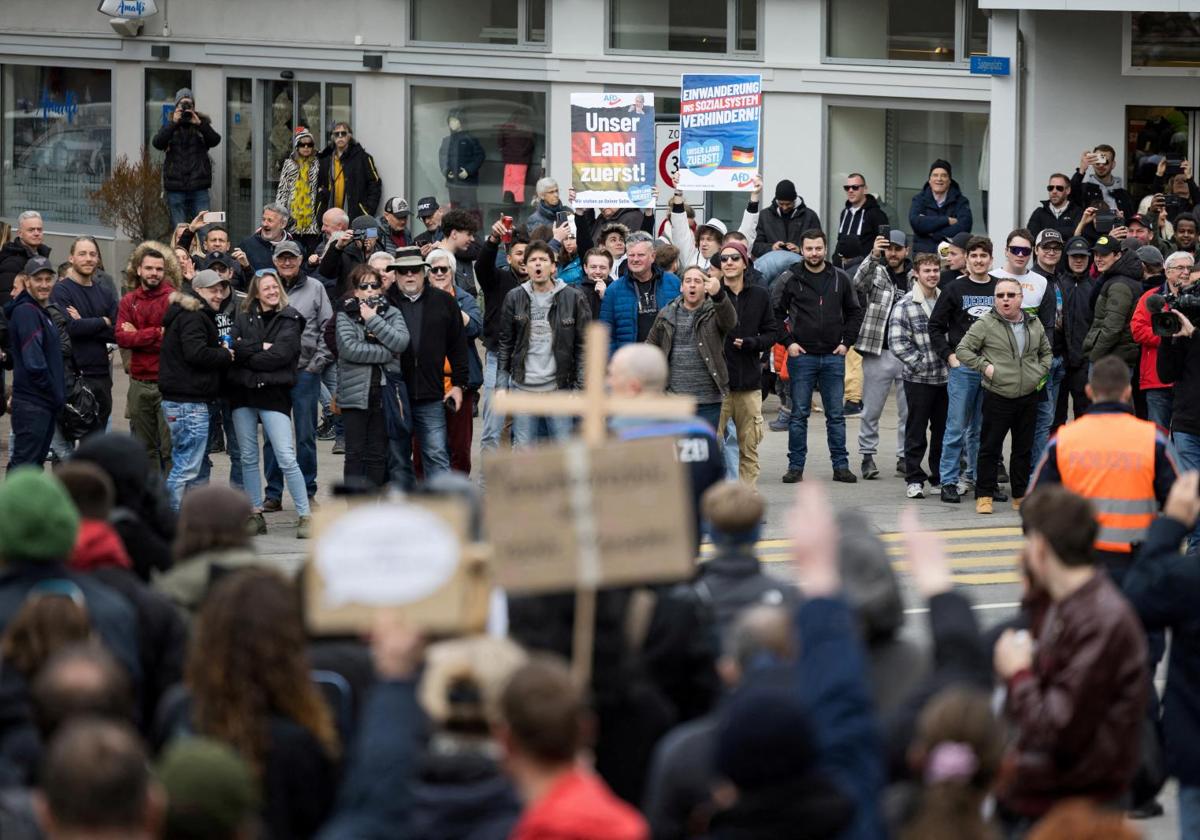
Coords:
439,269
305,145
409,269
730,258
850,187
266,272
1019,250
369,287
1055,188
1005,295
341,134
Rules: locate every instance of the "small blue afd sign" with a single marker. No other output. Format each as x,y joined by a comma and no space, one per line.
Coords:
989,65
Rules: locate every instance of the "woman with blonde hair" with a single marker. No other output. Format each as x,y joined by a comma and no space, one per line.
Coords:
266,347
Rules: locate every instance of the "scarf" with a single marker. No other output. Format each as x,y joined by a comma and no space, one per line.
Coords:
302,197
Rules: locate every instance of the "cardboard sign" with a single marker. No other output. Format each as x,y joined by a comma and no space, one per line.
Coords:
398,556
612,149
559,518
719,118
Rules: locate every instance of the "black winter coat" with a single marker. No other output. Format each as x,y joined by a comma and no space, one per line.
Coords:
363,186
1043,218
187,165
436,335
775,227
495,283
13,257
1179,363
1077,317
756,327
263,378
569,316
192,359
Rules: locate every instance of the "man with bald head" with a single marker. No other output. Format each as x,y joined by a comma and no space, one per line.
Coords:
637,370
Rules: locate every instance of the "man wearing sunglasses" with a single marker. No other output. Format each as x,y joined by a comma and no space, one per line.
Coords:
307,296
347,178
862,216
1056,212
1009,348
436,336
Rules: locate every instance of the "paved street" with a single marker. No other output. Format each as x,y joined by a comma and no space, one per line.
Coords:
982,549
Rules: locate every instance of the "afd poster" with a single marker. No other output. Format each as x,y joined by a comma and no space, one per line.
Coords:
719,118
612,149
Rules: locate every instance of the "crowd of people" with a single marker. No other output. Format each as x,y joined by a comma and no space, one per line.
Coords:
138,620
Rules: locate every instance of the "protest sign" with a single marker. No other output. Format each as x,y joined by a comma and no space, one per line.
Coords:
402,557
612,149
719,118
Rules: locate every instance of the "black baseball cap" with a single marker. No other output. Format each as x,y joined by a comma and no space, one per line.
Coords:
959,240
426,206
36,265
1078,246
1106,245
214,257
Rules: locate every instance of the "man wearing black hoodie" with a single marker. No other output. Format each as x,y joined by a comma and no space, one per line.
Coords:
823,316
862,216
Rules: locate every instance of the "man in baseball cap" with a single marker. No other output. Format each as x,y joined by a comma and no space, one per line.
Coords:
1120,285
39,383
429,212
393,225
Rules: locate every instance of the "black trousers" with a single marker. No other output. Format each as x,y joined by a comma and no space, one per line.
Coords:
1001,416
1072,388
926,411
366,441
102,387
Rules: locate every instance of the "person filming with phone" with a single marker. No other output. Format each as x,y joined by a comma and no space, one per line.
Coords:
1094,179
186,138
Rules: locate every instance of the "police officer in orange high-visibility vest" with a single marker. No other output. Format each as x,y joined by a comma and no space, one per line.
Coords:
1124,465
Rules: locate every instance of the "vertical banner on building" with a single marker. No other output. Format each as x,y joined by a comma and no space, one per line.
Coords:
612,149
719,118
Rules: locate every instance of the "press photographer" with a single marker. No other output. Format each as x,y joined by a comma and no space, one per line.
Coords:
350,249
1179,363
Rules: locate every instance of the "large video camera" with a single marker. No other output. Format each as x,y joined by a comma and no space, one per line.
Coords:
1166,323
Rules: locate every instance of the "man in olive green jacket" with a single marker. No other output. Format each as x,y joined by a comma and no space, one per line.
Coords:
1009,347
1120,287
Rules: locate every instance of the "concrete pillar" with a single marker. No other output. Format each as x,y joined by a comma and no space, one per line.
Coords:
1004,129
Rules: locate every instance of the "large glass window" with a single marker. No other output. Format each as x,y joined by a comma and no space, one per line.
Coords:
1154,133
507,22
692,26
905,30
291,104
892,149
161,85
240,212
1165,39
498,137
57,137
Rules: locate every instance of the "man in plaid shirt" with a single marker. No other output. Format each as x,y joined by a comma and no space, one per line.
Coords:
925,376
881,280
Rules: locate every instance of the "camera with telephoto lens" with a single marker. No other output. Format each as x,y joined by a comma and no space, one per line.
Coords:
351,305
1166,323
364,234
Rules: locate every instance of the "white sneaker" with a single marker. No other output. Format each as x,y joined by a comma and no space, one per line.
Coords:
916,491
965,486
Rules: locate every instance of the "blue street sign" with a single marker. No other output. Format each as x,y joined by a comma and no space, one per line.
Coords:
989,65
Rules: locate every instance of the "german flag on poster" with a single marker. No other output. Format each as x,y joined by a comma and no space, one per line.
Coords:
612,149
719,119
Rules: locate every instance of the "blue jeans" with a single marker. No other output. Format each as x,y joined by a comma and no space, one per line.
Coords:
493,423
710,413
1189,812
188,424
774,263
32,430
1045,409
305,396
732,453
964,419
277,427
1187,450
528,429
429,428
183,206
231,446
827,372
1160,402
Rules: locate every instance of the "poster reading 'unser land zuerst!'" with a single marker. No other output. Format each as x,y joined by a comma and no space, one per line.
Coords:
612,149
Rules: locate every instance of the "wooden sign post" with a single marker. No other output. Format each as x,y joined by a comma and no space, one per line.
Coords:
576,472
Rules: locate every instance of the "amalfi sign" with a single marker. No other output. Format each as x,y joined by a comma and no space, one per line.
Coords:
128,8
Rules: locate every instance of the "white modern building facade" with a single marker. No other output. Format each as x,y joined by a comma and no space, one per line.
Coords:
881,87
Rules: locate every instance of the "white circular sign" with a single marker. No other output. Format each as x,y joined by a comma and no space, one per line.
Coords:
386,555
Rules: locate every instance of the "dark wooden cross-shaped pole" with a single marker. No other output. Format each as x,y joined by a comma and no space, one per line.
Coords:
595,406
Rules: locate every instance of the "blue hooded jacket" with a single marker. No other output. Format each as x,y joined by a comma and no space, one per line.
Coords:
38,373
620,307
930,223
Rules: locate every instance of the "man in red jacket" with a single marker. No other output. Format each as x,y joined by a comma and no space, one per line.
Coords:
1160,396
139,330
542,732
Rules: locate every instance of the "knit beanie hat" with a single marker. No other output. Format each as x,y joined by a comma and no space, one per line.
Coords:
38,521
364,222
210,790
785,190
184,93
763,738
300,134
741,248
941,164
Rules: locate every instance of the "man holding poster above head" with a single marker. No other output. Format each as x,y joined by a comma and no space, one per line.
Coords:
612,149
